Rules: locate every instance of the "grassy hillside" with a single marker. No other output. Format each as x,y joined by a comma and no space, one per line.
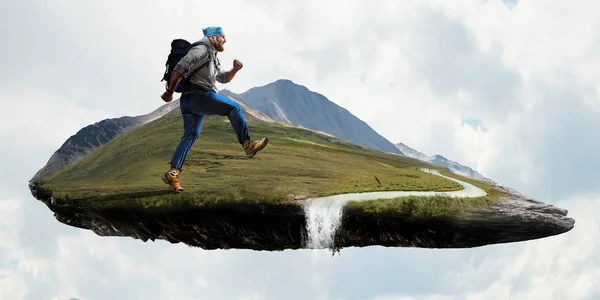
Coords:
298,163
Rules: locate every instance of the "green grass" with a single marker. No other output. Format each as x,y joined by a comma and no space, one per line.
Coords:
297,163
418,207
492,193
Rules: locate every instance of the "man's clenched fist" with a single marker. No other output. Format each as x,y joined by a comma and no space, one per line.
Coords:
237,65
166,96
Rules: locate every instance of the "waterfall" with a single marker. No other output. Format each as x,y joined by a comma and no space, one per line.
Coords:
324,214
323,219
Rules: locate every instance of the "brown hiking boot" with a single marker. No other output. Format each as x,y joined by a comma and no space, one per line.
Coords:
251,147
172,179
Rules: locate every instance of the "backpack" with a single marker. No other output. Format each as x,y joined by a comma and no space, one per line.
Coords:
179,48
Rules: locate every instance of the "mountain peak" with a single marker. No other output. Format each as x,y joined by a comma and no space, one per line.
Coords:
442,161
439,157
284,81
284,85
286,101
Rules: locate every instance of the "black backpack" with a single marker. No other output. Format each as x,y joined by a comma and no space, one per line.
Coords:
179,48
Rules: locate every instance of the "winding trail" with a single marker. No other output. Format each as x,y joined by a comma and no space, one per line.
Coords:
324,214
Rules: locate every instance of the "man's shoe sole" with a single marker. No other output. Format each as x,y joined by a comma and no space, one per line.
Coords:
251,154
169,184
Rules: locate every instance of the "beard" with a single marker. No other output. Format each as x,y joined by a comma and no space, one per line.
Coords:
216,45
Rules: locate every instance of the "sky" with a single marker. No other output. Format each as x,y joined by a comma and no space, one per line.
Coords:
509,88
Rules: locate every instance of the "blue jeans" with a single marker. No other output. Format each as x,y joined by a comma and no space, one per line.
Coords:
194,106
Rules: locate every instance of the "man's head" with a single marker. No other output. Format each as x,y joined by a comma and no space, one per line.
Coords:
216,37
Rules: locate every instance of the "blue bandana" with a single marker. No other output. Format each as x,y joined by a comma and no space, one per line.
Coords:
211,31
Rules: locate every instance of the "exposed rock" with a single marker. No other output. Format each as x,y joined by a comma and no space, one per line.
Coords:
506,221
283,227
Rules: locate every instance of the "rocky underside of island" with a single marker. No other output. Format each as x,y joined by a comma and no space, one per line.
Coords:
514,218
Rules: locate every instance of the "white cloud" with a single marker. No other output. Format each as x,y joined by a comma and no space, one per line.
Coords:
428,297
36,118
12,287
553,268
560,267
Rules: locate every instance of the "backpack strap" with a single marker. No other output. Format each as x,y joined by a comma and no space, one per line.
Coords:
209,54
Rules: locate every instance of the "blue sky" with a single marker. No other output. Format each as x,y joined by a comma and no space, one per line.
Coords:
413,70
474,122
510,3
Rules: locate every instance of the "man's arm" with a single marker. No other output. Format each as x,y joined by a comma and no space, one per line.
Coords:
167,95
174,80
227,76
188,64
230,74
184,68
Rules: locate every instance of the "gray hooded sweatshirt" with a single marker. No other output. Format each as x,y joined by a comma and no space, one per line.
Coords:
206,76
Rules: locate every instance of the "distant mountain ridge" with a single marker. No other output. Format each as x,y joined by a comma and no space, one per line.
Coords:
286,101
95,135
441,161
281,101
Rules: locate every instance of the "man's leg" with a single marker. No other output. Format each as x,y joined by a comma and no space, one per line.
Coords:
192,125
214,103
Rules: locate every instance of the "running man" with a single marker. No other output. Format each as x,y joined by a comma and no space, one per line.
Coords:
200,98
